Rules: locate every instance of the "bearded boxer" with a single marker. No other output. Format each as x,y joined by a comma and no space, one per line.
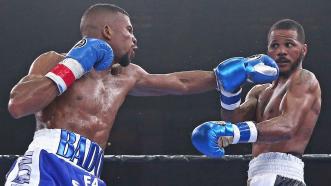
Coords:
278,118
75,99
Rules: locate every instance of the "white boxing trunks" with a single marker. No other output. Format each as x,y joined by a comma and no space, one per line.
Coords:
275,168
58,157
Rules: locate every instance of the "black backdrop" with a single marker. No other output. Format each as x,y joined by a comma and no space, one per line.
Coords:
172,36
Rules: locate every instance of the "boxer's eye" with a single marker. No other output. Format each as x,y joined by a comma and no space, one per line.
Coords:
274,45
289,45
130,29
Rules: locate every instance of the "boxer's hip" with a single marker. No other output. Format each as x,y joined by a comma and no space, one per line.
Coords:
71,147
58,157
273,164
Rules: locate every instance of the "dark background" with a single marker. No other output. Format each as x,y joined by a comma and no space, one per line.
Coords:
172,36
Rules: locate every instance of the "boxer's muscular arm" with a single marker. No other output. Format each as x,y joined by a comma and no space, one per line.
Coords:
177,83
302,97
34,91
247,110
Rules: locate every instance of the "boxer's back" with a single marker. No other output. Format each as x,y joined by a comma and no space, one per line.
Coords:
90,106
271,104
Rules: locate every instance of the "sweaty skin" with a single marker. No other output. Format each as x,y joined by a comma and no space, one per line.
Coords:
90,105
287,110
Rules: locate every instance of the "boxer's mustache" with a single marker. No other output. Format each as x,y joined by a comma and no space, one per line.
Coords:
282,60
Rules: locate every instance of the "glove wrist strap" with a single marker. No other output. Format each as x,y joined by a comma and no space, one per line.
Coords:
244,132
229,100
65,73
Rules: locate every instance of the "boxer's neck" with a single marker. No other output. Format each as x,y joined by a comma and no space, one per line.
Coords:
99,74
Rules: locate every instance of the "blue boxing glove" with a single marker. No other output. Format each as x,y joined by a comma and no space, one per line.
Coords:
207,137
88,53
230,75
234,72
261,69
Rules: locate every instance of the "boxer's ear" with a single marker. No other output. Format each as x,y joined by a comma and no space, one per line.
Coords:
107,32
305,49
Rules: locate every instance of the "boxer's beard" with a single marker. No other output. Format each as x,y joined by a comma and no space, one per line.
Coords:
125,60
294,66
297,63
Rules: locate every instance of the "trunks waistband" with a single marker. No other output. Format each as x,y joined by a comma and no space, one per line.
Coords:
283,164
71,147
296,154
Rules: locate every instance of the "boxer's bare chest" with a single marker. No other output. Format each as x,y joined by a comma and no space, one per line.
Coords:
101,94
89,107
92,98
270,102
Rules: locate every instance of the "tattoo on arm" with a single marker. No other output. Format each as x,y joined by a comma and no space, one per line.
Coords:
304,78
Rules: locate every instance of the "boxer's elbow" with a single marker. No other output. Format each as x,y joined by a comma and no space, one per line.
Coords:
16,108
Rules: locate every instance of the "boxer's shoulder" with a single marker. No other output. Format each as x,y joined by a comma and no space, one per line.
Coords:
51,56
117,69
304,78
135,67
303,75
44,62
130,70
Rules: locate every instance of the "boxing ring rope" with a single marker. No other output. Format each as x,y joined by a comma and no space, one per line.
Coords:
190,158
183,158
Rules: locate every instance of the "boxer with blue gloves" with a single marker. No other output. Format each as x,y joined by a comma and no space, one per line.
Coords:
278,115
88,53
234,72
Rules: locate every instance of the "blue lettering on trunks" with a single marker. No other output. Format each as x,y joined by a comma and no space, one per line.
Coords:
89,159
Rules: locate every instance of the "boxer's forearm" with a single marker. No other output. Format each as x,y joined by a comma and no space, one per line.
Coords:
177,83
275,130
191,82
31,95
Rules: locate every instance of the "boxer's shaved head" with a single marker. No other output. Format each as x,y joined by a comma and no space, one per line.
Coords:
96,17
289,24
